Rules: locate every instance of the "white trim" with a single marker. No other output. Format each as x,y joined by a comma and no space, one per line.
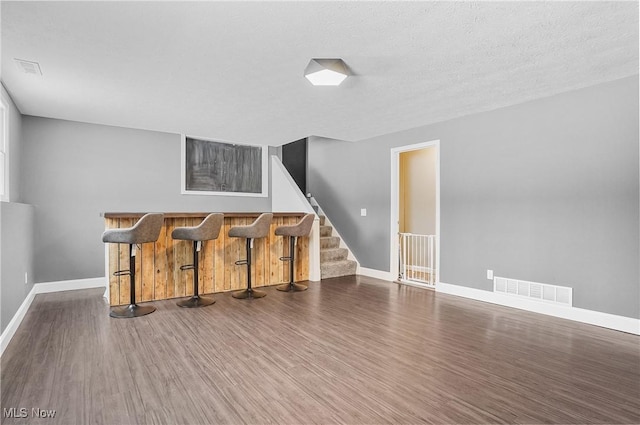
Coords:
69,285
265,170
378,274
314,251
388,276
416,284
605,320
395,201
13,325
107,288
44,288
6,163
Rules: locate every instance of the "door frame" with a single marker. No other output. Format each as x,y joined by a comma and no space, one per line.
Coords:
395,205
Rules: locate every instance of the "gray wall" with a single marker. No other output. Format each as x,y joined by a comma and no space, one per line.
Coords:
545,191
16,257
72,172
16,228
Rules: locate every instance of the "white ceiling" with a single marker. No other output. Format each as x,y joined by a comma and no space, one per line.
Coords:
233,71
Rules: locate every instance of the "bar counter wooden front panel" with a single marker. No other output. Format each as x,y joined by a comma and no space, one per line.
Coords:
158,274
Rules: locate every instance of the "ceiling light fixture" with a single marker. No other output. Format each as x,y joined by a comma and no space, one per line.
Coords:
326,72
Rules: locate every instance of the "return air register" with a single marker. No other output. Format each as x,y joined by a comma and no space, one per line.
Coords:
28,67
562,295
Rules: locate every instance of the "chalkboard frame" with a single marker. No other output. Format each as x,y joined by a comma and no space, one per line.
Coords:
187,167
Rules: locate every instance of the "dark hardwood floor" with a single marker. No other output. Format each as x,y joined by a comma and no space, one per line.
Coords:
350,350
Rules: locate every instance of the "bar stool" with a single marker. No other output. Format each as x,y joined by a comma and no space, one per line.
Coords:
302,229
147,229
205,231
258,229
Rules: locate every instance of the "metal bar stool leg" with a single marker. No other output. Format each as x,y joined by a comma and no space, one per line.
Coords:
133,309
196,300
146,230
257,230
291,286
249,292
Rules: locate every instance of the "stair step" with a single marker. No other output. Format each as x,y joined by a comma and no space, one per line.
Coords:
329,242
322,219
326,231
334,254
338,268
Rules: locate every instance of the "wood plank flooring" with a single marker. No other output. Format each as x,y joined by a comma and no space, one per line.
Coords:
351,350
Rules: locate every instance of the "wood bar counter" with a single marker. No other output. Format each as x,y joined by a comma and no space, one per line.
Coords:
158,274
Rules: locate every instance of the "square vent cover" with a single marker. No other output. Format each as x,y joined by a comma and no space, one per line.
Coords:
28,67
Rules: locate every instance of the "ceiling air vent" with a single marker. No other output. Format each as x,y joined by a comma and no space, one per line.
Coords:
28,67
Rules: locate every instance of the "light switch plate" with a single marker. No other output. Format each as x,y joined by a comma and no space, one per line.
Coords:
363,212
490,274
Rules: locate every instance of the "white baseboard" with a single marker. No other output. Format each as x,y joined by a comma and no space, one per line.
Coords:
13,325
44,288
378,274
69,285
605,320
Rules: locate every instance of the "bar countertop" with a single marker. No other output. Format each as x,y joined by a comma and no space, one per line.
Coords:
199,214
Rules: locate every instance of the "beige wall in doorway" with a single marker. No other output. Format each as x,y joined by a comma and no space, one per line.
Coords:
417,212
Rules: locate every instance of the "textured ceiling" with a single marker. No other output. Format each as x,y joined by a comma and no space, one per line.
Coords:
233,71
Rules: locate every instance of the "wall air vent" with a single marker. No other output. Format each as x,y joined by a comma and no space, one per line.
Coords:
28,67
534,291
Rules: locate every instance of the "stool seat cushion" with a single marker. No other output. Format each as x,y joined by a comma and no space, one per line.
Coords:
207,230
147,229
258,229
303,228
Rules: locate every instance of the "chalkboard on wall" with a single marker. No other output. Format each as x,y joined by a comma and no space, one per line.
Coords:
217,168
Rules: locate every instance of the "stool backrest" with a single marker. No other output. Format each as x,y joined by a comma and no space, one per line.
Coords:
260,227
147,229
210,227
303,228
299,230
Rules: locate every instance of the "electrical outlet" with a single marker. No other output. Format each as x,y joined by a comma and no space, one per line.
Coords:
490,274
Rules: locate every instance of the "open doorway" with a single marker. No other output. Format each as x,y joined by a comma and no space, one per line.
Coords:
294,159
415,214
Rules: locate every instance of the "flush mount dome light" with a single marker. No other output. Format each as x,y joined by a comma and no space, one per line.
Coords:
326,72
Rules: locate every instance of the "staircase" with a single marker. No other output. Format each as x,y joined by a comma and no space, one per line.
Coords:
333,259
